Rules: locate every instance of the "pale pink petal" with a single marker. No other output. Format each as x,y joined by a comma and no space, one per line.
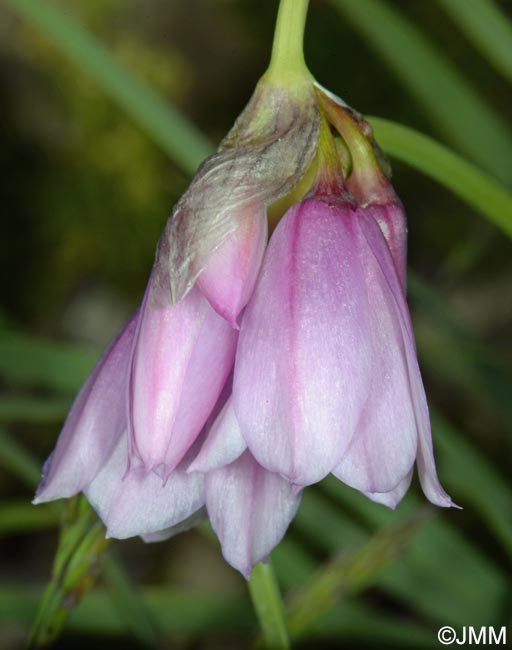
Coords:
392,222
229,277
392,498
161,535
249,509
140,503
182,356
209,367
427,472
384,446
425,458
303,364
94,424
223,445
165,342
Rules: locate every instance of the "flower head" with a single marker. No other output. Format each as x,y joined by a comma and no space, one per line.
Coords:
326,377
252,371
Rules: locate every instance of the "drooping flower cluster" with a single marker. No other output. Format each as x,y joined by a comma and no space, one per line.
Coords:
252,371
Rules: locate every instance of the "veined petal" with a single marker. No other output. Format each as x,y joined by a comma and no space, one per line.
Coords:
228,279
138,502
164,345
384,446
392,498
182,356
94,423
303,362
249,509
425,457
208,370
223,445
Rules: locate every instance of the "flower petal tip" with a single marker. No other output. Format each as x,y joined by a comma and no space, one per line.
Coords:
448,503
246,572
296,490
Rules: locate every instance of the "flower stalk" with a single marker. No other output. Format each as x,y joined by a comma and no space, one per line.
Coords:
287,63
268,605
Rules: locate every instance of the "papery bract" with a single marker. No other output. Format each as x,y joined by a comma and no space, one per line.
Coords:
219,225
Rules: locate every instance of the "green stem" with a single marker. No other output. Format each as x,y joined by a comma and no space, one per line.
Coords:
287,63
367,181
267,602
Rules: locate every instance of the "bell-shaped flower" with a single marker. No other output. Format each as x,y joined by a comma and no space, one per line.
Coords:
326,377
251,371
136,425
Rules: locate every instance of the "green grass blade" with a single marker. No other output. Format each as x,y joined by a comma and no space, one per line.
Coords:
459,176
440,559
454,107
486,491
22,517
475,369
131,607
53,365
81,544
184,143
487,27
448,567
350,573
32,409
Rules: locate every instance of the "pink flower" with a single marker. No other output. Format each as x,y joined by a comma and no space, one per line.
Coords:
326,377
250,372
149,405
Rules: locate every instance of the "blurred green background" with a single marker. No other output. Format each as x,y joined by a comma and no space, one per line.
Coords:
86,190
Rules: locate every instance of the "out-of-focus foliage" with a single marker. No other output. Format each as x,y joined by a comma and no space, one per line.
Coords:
86,189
